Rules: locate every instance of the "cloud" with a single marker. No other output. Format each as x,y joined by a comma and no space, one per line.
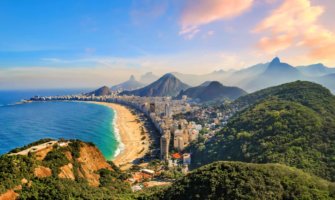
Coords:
200,12
295,24
276,43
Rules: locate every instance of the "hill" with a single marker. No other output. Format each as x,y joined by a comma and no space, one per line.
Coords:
167,85
131,84
103,91
292,124
60,170
237,180
210,91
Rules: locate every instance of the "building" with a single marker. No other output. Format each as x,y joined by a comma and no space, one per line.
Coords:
165,142
178,143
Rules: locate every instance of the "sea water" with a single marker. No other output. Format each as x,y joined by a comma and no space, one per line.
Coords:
21,124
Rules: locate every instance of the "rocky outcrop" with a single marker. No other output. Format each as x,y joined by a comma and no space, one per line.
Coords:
67,172
91,160
42,172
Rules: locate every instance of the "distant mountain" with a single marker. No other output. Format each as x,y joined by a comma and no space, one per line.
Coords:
238,180
292,124
131,84
148,78
103,91
263,75
167,85
276,73
209,91
316,70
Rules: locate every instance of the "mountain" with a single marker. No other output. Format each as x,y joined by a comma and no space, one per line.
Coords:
209,91
237,180
167,85
292,124
131,84
66,169
276,73
148,78
103,91
316,70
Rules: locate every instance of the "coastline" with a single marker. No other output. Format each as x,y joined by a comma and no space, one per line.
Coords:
133,142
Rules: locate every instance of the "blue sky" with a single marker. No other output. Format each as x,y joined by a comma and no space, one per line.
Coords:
87,43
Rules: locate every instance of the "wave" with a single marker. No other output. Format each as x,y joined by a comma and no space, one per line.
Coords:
121,146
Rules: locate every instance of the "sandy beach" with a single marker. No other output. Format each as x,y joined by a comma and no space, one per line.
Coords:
135,142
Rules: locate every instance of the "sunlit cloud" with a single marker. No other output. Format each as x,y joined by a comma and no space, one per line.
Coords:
200,12
295,24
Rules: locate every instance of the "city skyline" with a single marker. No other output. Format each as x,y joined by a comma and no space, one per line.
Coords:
69,44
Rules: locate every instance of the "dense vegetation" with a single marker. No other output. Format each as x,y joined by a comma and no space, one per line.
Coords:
292,124
13,169
237,180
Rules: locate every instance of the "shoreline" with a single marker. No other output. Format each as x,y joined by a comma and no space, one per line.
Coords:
131,134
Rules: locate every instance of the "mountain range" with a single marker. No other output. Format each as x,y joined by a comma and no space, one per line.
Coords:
250,79
264,75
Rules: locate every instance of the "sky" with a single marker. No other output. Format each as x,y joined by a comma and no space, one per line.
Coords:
89,43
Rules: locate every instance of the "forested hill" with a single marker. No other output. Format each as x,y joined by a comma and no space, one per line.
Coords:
292,124
237,180
307,93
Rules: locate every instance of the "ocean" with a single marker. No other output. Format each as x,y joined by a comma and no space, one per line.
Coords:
21,124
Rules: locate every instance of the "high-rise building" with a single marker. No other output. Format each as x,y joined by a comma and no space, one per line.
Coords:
165,143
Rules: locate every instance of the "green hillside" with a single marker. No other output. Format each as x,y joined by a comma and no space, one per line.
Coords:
292,124
237,180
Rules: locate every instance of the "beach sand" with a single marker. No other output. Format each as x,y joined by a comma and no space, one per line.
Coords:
130,131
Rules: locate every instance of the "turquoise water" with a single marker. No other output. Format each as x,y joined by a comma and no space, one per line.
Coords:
22,124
